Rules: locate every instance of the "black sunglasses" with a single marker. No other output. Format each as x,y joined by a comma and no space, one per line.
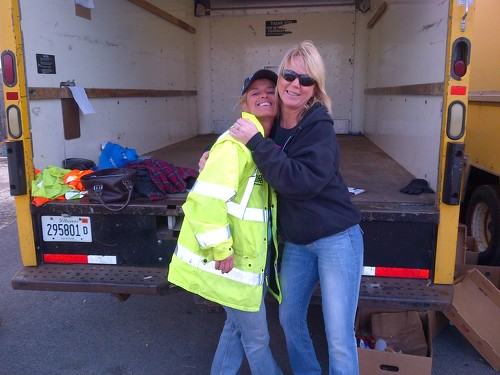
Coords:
304,79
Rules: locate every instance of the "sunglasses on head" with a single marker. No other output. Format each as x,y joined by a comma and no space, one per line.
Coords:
304,79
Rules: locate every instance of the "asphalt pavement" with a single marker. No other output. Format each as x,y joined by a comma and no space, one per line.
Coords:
59,333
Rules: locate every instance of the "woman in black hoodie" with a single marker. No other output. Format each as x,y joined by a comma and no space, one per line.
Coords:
317,220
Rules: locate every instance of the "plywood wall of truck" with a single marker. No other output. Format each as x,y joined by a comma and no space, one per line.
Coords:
123,46
239,46
407,46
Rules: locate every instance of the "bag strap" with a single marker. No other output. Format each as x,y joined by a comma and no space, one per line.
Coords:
98,192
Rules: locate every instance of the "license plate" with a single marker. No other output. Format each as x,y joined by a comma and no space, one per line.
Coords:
66,229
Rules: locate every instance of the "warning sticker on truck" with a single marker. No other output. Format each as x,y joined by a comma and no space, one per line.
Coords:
277,28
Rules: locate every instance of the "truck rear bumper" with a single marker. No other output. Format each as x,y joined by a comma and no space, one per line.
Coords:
400,294
375,292
93,278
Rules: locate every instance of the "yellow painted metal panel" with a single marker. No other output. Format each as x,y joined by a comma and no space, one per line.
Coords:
11,39
483,133
25,229
446,244
483,120
449,214
485,47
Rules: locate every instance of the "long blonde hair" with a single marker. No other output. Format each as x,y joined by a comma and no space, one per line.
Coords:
315,66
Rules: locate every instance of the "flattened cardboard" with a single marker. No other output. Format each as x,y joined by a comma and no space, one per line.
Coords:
475,311
492,273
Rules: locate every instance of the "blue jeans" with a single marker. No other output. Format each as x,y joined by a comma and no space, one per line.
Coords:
245,333
336,262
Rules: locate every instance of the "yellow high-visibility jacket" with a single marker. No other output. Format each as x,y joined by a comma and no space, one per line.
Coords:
227,212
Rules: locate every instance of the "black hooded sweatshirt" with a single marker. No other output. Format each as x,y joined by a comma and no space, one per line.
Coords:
313,200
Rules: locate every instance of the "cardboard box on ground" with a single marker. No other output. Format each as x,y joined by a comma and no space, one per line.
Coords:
410,332
475,312
467,255
475,309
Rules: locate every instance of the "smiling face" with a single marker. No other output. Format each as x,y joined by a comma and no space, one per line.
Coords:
293,95
261,100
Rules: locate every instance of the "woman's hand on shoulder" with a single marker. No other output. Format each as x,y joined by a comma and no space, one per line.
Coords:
243,130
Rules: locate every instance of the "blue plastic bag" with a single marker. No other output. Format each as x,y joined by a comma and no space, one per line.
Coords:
115,156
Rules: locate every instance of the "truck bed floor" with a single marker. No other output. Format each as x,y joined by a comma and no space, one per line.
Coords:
363,165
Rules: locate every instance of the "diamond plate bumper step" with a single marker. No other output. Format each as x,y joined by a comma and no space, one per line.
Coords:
94,278
375,292
400,294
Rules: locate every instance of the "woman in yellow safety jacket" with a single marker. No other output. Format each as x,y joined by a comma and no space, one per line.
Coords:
224,248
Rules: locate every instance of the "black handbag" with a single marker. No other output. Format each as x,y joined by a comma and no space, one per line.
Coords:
110,185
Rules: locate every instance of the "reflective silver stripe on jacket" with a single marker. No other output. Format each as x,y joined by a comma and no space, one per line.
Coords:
213,190
225,194
244,277
241,211
213,237
252,214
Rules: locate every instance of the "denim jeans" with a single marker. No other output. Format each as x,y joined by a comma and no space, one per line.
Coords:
245,333
336,262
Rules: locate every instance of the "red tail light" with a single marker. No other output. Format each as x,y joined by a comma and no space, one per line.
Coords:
9,68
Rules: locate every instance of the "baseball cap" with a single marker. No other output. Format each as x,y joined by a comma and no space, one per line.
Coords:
259,74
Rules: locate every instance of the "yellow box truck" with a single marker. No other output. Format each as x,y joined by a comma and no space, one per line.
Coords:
163,78
481,201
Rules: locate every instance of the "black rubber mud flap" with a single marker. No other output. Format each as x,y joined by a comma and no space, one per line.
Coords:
17,169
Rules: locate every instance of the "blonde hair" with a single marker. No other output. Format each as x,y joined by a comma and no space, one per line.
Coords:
315,66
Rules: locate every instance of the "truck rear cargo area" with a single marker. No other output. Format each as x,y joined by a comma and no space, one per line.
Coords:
397,73
400,232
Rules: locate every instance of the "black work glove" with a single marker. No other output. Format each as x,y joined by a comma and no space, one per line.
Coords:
417,186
